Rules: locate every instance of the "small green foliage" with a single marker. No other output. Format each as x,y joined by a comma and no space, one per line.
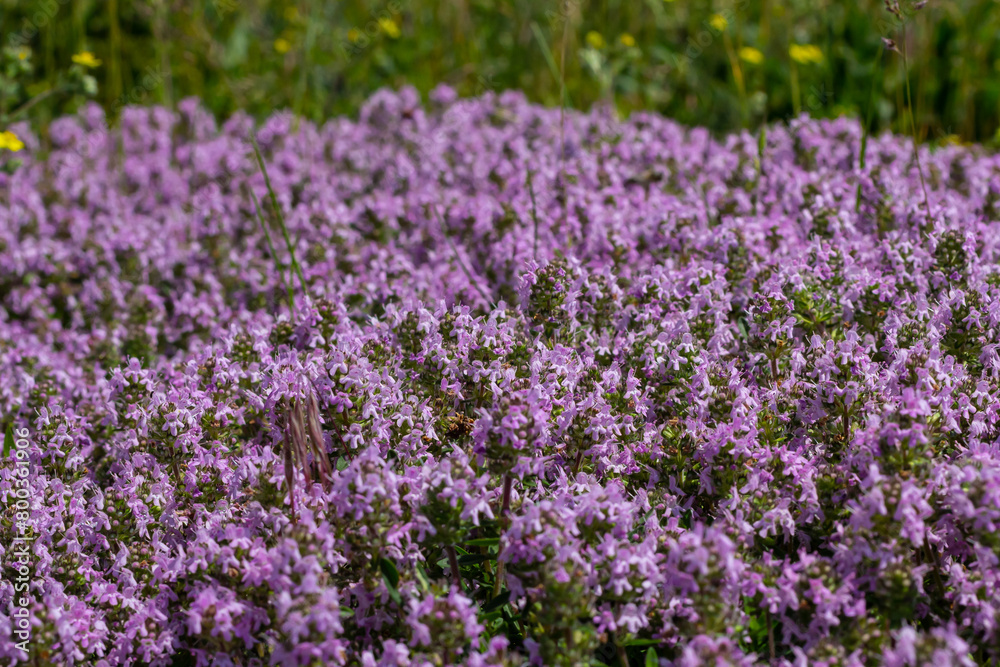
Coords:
547,297
281,333
8,440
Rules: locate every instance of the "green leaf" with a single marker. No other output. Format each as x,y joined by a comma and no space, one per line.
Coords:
494,616
483,542
641,642
640,525
652,660
8,440
744,326
391,576
423,579
497,602
473,559
389,571
235,51
546,52
394,594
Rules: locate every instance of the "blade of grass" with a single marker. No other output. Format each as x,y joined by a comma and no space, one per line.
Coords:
796,95
40,97
761,146
270,247
734,65
549,59
458,258
866,127
115,85
913,128
534,212
562,107
558,73
163,44
279,214
307,51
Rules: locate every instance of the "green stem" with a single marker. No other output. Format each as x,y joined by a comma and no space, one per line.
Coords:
866,128
770,635
913,128
932,556
622,656
761,145
114,68
734,65
562,110
279,214
534,212
504,524
468,274
163,46
846,424
796,96
456,575
270,247
310,41
32,102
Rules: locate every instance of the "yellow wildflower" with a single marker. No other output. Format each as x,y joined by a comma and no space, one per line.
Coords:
718,21
389,27
806,54
282,45
10,141
627,40
23,53
87,59
751,55
354,35
595,40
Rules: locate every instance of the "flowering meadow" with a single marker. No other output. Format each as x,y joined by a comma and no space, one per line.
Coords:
475,382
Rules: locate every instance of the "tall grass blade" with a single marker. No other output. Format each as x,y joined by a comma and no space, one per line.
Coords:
270,247
279,215
550,60
913,128
866,126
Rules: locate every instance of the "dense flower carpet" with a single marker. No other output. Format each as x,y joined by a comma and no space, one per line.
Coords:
495,384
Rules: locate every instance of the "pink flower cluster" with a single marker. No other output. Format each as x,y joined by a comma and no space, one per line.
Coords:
549,391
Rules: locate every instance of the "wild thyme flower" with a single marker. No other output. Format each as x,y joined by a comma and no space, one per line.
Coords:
627,393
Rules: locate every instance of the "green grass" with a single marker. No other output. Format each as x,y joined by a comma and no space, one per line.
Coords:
322,58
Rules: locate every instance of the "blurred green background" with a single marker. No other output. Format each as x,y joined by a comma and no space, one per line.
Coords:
725,65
